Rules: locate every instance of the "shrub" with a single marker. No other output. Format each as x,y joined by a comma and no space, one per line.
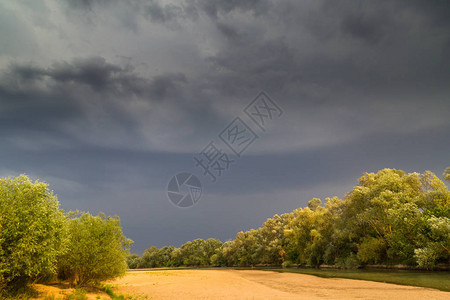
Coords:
97,249
32,232
349,262
286,264
78,294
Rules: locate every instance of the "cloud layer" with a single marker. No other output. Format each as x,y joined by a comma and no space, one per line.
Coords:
108,99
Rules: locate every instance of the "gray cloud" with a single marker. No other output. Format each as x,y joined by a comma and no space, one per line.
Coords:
358,26
109,99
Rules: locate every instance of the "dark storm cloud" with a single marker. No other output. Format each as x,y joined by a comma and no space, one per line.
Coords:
364,86
159,11
58,102
94,72
369,30
229,32
163,84
215,8
162,14
386,29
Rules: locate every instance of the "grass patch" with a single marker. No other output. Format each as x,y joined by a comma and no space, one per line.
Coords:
78,294
108,289
21,293
430,279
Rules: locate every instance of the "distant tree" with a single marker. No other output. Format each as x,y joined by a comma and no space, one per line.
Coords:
154,257
390,217
210,248
223,256
150,258
311,230
246,248
32,230
165,256
97,249
134,261
176,257
199,252
271,240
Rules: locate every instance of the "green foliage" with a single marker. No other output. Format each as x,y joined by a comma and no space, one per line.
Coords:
32,231
348,262
384,217
286,264
108,289
97,249
390,217
134,261
437,249
371,250
446,174
78,294
199,252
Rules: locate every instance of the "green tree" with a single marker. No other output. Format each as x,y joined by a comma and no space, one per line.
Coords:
223,256
134,261
32,231
437,249
150,258
384,217
245,248
271,240
154,257
311,231
97,249
199,252
210,248
165,256
390,217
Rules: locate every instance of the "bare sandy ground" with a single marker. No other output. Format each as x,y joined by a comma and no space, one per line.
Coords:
255,284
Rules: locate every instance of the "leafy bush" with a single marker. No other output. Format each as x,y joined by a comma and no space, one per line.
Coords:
78,294
349,262
286,264
32,231
133,261
97,249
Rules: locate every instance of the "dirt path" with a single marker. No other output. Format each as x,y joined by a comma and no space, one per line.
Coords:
237,284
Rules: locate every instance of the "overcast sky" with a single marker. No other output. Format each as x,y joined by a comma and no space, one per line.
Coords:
107,100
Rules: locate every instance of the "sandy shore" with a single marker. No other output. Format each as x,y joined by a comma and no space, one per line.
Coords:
255,284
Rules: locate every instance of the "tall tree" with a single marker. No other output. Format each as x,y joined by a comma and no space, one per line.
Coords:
32,230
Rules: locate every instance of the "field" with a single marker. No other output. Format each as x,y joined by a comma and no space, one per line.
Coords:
259,284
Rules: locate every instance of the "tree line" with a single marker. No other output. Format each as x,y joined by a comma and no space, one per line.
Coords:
389,218
40,242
